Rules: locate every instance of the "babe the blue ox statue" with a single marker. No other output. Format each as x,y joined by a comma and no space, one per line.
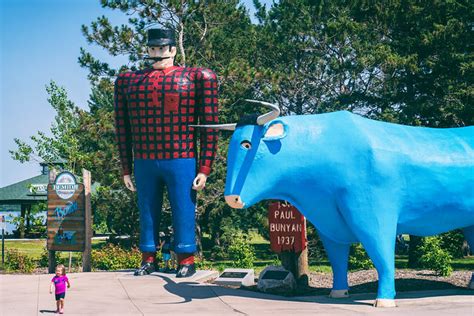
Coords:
356,180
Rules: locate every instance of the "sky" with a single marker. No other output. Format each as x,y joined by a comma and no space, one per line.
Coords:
40,41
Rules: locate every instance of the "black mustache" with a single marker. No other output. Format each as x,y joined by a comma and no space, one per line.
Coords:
156,58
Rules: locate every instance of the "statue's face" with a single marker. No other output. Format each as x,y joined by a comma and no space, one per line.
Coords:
162,51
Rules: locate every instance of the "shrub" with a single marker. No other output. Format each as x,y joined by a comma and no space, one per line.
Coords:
19,262
43,261
112,257
316,251
453,242
435,258
218,253
240,251
203,264
358,259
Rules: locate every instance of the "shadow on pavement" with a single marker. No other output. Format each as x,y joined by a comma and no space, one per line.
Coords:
405,285
406,289
189,291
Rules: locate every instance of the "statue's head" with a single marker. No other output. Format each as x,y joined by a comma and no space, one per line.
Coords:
161,47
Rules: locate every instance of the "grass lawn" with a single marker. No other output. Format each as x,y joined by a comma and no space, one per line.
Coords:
265,257
35,248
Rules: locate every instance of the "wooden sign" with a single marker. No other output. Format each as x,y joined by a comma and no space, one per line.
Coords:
66,214
287,228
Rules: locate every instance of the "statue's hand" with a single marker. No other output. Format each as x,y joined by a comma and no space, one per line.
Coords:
199,182
128,182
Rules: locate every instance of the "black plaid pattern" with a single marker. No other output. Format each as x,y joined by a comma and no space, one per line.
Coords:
153,111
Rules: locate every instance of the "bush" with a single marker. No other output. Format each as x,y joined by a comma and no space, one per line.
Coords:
43,261
316,251
112,257
453,242
240,251
18,262
218,253
203,264
433,257
358,258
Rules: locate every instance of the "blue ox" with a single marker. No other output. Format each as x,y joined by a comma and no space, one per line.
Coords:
356,180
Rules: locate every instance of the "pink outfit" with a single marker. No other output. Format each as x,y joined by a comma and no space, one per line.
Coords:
60,283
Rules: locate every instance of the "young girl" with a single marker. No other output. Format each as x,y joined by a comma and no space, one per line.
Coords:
59,282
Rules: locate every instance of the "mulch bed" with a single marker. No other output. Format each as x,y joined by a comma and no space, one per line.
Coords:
365,281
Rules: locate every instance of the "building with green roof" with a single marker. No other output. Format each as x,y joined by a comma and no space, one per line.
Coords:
21,196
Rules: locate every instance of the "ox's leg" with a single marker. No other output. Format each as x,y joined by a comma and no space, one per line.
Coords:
380,246
373,219
469,235
338,255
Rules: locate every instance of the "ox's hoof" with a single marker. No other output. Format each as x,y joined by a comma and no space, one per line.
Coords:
339,293
384,302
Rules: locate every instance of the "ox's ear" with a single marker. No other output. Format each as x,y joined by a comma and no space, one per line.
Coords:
275,130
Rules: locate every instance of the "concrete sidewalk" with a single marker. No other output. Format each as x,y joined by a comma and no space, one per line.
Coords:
120,293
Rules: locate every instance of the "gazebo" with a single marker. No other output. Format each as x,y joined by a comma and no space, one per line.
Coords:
21,196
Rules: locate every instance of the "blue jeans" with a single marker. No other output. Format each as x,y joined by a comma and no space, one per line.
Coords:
177,175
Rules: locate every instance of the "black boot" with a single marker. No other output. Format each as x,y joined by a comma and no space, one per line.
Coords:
186,270
145,269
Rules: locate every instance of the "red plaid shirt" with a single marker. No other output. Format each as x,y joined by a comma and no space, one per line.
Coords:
153,111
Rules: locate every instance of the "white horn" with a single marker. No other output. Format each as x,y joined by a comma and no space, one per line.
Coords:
226,127
267,117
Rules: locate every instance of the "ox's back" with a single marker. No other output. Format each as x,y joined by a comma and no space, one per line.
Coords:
430,172
426,173
423,145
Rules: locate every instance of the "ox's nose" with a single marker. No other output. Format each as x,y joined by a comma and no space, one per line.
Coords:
234,201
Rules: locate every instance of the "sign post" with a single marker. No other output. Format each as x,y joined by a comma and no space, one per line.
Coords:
288,238
3,226
86,255
67,227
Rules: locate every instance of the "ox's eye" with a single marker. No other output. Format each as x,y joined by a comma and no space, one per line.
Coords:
246,144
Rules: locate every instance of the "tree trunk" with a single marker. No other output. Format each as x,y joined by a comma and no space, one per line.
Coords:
181,35
21,227
415,241
297,263
27,218
87,254
303,269
199,240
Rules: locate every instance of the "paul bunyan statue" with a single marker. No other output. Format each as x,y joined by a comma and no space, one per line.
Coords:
153,110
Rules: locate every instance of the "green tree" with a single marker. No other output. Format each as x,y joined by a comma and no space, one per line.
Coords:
317,58
404,61
63,144
240,251
428,75
433,257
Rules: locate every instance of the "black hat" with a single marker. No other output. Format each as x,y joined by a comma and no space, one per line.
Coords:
161,37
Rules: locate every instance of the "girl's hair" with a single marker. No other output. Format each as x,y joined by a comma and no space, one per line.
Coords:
62,267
